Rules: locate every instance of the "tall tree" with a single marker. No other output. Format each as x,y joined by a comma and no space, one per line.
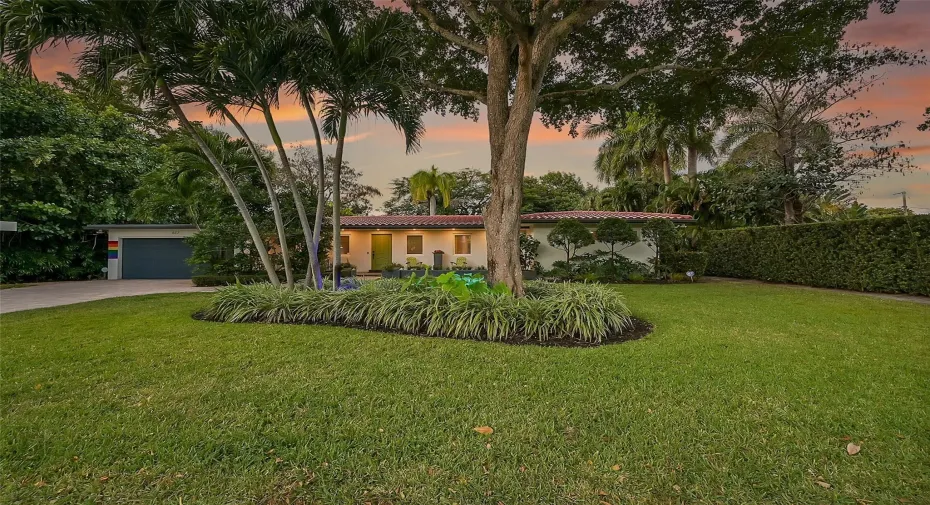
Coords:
430,185
470,195
644,145
145,40
549,53
554,191
362,70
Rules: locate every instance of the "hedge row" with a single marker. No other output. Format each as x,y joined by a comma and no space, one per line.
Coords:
889,255
686,261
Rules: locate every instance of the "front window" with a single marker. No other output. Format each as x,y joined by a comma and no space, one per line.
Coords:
414,244
463,244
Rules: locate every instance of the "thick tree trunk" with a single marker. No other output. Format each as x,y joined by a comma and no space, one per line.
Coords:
269,187
784,148
337,200
508,129
313,268
432,205
291,180
227,180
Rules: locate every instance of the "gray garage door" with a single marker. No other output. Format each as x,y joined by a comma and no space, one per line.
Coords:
155,258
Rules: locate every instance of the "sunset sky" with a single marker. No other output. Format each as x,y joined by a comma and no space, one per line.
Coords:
453,143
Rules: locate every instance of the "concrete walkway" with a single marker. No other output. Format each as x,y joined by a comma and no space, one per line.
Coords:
885,296
53,294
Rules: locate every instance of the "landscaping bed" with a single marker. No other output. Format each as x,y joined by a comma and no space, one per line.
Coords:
465,308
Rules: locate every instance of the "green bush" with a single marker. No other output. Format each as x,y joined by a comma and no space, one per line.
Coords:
684,261
885,254
227,280
578,312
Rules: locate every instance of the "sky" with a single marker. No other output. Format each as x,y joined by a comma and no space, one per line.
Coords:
452,143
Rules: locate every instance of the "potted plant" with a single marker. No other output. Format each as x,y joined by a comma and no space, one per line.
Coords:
437,259
392,271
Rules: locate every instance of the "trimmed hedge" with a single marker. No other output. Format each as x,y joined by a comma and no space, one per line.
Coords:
890,255
685,261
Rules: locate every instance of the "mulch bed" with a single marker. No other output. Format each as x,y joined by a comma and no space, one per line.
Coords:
639,329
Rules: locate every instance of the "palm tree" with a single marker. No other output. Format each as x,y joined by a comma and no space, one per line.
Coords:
428,185
246,52
776,133
642,146
146,40
698,143
361,70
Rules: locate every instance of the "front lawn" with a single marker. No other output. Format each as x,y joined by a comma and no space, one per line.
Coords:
743,394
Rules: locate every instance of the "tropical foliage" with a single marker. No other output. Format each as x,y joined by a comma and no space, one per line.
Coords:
65,165
548,313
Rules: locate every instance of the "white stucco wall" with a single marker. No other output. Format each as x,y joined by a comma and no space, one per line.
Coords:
360,246
115,267
548,254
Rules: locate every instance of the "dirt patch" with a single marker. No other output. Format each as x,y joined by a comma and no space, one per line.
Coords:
637,330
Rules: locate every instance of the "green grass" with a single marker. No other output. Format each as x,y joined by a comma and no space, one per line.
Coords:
743,394
16,285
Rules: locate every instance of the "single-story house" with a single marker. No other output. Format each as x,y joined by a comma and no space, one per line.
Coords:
158,251
373,242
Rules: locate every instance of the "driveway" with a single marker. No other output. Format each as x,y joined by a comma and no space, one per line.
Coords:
53,294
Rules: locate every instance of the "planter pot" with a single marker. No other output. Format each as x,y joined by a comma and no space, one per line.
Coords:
437,261
530,275
390,274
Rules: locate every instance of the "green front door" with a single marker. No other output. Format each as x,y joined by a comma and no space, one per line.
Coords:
380,252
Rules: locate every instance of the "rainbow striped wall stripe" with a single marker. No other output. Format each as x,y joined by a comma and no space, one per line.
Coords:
113,249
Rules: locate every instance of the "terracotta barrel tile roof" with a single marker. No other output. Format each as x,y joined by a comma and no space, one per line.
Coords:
594,215
350,222
412,221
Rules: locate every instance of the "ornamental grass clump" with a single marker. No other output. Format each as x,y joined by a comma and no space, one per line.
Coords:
549,313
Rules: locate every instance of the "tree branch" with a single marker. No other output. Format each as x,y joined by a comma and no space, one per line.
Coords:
447,34
471,11
476,95
619,84
512,18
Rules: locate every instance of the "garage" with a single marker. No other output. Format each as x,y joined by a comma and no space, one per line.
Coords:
156,258
146,251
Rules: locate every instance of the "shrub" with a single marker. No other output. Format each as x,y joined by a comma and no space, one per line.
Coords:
529,250
636,277
549,312
681,262
678,277
662,236
884,254
227,280
569,235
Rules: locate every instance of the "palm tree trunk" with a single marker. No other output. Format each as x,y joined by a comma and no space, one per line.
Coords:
692,154
272,196
432,205
666,168
227,180
314,268
337,199
291,180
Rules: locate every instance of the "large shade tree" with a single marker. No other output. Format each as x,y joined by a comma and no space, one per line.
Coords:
566,58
